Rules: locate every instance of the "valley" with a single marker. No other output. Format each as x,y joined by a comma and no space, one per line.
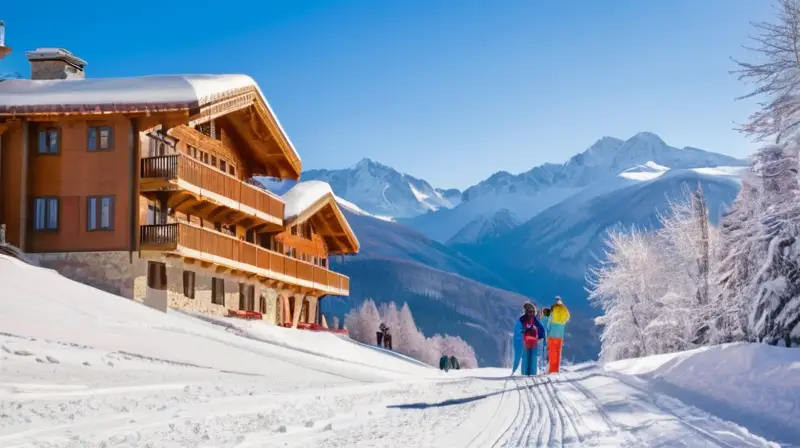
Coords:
454,256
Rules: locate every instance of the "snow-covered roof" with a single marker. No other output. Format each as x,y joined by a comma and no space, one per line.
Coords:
174,91
136,94
311,194
303,195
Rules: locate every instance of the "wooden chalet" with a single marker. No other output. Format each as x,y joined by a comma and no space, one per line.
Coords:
146,187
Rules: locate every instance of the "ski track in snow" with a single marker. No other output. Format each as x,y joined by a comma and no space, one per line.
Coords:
142,402
560,410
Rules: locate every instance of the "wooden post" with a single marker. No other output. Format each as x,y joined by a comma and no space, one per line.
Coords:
24,204
298,306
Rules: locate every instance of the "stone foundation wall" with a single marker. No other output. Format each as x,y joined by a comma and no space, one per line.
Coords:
125,274
120,273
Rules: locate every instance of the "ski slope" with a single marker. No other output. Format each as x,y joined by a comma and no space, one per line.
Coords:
80,367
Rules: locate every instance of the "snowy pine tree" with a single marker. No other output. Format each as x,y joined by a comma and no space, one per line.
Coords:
774,311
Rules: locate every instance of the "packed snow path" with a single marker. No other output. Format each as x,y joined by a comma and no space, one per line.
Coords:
135,404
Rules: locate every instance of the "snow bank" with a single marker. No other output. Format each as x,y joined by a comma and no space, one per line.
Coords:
41,304
755,385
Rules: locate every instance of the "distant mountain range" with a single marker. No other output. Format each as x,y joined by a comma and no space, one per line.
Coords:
466,260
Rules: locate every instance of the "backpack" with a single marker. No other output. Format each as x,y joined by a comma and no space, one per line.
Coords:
530,336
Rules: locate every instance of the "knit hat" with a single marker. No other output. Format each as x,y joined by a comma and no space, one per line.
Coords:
528,305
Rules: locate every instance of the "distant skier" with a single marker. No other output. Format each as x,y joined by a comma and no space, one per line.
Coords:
529,330
454,363
387,339
444,363
559,316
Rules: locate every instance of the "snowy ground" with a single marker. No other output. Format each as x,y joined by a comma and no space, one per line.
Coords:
81,368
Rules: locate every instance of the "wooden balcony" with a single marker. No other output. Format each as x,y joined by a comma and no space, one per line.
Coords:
180,172
213,247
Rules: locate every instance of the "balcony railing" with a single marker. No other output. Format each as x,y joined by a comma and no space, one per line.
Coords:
175,235
181,166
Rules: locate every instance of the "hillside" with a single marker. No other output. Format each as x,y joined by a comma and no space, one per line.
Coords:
81,367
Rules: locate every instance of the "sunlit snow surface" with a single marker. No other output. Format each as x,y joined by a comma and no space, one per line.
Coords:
80,367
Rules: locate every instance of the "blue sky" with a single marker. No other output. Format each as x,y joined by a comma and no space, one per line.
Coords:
449,91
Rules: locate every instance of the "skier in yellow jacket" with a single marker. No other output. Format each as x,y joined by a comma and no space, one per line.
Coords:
559,316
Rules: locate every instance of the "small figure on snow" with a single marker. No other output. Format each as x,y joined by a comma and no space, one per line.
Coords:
444,363
387,338
559,316
527,332
454,363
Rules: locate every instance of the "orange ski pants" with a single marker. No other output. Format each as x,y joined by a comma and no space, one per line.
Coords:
554,354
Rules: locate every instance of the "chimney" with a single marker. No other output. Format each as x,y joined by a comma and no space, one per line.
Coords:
55,63
4,51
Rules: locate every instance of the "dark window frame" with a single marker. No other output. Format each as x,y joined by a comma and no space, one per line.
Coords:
189,287
156,275
96,138
47,149
217,289
47,200
98,213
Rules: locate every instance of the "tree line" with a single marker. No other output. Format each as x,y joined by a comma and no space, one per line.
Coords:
363,322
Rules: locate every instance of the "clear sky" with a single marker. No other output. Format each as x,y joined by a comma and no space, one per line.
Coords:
449,91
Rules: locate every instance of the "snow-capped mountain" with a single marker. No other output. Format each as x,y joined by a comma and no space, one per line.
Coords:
382,191
451,194
607,165
486,227
551,253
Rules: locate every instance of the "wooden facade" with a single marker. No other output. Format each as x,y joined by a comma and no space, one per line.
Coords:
167,180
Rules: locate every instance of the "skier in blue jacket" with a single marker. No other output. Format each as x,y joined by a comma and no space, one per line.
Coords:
527,327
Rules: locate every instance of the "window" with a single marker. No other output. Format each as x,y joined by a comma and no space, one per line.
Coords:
223,166
155,215
100,213
214,161
100,138
49,140
247,297
45,214
250,236
217,291
188,284
156,275
232,170
324,263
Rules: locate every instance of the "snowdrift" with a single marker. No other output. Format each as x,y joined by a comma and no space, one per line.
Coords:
754,385
40,304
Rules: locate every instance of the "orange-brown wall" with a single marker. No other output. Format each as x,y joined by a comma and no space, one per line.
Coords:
10,178
76,173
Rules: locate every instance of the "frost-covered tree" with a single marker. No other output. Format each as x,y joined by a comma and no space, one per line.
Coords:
775,74
774,309
626,288
362,323
736,266
655,289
